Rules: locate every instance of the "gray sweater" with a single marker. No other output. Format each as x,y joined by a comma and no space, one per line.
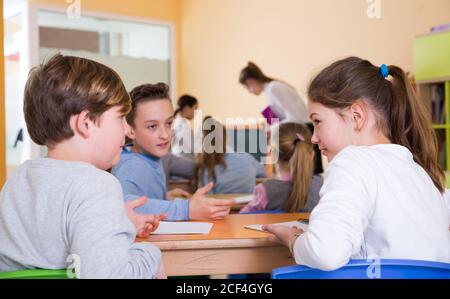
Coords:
57,214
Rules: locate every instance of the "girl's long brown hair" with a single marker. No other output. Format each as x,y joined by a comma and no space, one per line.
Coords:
297,154
402,117
207,160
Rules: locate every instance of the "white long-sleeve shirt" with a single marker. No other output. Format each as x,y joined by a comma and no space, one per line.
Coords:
183,137
286,102
376,202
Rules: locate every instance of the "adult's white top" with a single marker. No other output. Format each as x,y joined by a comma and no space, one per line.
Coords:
182,142
285,101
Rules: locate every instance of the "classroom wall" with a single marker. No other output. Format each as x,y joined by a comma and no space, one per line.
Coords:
2,106
164,10
290,40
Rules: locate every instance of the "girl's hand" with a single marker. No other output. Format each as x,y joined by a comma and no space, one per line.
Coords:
282,234
177,192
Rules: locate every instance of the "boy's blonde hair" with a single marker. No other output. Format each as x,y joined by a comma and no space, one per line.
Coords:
65,86
295,150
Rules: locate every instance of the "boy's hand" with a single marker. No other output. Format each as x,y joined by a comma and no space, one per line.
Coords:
161,274
151,224
177,192
145,224
282,234
203,208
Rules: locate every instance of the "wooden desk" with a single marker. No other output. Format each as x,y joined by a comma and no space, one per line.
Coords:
236,207
228,249
186,184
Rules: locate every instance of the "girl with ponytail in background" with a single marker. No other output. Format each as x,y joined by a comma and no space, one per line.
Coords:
296,189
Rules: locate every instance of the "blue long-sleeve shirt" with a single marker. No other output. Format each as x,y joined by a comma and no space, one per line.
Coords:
142,174
238,176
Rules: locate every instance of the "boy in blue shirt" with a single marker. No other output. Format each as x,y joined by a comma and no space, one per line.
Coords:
140,169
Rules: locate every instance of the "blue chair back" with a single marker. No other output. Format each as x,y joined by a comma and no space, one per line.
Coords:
362,269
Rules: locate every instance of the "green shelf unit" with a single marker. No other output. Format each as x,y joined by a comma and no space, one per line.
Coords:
447,105
432,57
442,129
432,68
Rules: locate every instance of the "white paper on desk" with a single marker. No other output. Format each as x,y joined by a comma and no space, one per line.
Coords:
297,224
243,199
182,228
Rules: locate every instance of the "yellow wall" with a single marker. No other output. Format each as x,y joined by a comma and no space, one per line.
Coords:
2,106
290,40
165,10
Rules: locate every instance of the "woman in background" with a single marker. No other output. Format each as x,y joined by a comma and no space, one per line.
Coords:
284,102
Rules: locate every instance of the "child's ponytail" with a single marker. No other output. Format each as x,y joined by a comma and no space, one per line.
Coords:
410,126
301,165
295,151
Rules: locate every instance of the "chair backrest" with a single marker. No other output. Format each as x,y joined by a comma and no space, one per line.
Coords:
35,274
362,269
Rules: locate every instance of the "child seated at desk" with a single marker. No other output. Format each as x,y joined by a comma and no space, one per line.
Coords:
140,170
384,191
231,172
64,207
183,139
296,189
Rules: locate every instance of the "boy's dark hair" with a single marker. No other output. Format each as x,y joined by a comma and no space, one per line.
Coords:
65,86
146,92
185,101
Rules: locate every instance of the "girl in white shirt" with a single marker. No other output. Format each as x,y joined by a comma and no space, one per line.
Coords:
383,193
284,101
183,139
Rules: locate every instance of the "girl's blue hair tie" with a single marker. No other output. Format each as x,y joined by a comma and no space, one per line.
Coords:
384,70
